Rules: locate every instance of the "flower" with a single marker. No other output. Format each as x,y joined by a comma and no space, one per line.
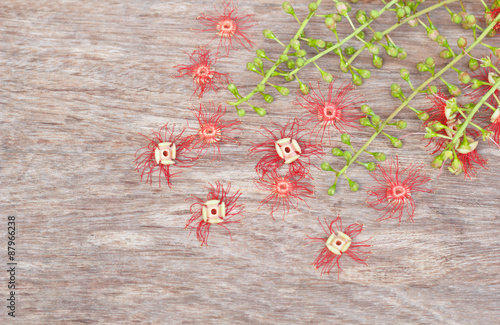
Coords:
395,188
201,70
163,151
444,115
228,26
486,77
337,243
340,109
494,126
213,130
220,207
285,191
285,146
491,15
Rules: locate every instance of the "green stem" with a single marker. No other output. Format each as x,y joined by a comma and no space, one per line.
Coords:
422,86
285,51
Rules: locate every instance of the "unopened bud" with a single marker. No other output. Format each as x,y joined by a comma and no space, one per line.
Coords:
337,152
473,64
422,67
464,77
378,62
380,156
261,54
327,76
432,34
454,90
402,54
341,8
376,119
365,121
392,51
366,109
331,190
377,36
445,54
437,162
301,53
456,18
300,62
400,13
413,22
374,49
241,112
268,34
430,62
374,14
295,44
349,50
290,64
423,116
401,125
361,16
283,90
233,89
356,79
461,42
259,110
287,7
260,88
353,186
345,138
326,167
431,90
371,166
304,88
405,74
313,7
330,23
347,155
258,62
441,40
283,57
365,74
268,98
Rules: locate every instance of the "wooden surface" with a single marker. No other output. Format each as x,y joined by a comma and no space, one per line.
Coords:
80,79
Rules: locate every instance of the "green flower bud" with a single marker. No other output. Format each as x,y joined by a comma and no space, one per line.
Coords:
349,50
283,57
437,162
326,167
361,35
380,156
374,14
365,121
430,62
432,34
445,54
353,186
461,42
346,139
260,88
252,67
471,20
289,77
377,36
320,43
283,90
337,17
268,34
361,16
400,13
377,61
261,54
441,40
456,18
396,142
413,22
343,67
300,62
396,88
232,88
341,8
328,45
407,10
313,7
473,64
287,7
464,77
301,53
337,152
356,79
268,98
405,74
327,77
475,83
365,74
331,190
422,67
374,49
366,109
376,119
241,112
347,155
258,62
295,44
401,125
454,90
431,90
371,166
330,23
259,110
290,64
402,55
304,88
423,116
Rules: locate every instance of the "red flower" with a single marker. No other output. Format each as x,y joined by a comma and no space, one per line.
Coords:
340,109
490,16
469,162
395,188
213,130
337,243
219,208
228,26
201,70
163,151
494,126
284,191
437,113
285,146
489,76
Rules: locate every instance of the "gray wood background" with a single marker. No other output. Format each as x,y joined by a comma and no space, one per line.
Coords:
80,79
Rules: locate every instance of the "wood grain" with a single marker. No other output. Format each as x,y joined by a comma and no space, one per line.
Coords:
80,79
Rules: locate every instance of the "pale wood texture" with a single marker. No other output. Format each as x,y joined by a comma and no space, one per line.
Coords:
80,79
